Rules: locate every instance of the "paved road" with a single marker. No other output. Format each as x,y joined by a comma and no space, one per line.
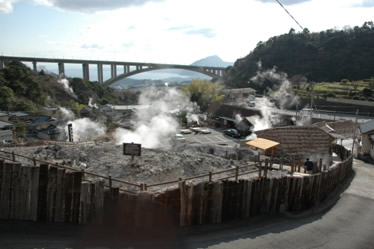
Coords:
215,137
347,224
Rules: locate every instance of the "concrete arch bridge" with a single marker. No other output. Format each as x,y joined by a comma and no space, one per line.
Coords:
129,68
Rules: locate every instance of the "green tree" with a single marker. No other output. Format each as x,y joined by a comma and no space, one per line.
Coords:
204,93
6,98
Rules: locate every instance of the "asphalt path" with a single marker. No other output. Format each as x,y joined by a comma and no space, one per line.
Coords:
346,220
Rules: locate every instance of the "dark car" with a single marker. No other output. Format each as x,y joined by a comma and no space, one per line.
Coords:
232,133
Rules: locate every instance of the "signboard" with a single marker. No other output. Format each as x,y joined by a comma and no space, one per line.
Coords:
70,132
131,149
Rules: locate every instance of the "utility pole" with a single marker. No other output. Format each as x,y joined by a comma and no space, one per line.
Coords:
311,103
354,132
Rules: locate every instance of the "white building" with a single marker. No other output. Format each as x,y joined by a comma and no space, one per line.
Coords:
6,136
367,138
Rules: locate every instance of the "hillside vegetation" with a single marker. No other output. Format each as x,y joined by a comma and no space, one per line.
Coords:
327,56
22,89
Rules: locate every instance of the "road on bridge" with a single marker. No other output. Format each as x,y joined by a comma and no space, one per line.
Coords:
345,221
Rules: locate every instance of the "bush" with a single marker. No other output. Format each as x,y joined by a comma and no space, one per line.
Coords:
356,97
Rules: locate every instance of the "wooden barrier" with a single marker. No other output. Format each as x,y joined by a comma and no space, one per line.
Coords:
48,193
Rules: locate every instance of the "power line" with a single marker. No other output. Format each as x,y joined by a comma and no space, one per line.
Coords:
290,15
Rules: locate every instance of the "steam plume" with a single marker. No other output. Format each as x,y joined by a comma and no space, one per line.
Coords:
66,85
85,129
156,124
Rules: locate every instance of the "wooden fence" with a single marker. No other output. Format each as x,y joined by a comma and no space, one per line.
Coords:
48,193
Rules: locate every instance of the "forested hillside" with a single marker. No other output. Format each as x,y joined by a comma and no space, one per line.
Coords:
22,89
330,55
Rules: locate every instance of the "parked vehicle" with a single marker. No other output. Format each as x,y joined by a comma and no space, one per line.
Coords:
232,133
185,131
179,137
205,131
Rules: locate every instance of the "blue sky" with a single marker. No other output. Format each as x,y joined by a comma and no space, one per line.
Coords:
162,31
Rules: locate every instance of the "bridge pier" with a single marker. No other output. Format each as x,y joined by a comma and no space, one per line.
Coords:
126,69
34,66
86,71
61,68
100,77
113,69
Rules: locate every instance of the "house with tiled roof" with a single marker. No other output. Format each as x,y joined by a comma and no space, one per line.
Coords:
300,142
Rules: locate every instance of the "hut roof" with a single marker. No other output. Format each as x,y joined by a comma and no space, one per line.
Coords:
298,141
262,143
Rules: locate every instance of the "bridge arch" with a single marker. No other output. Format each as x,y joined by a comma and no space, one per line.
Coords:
209,71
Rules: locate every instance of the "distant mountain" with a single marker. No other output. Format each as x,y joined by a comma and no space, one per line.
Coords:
212,61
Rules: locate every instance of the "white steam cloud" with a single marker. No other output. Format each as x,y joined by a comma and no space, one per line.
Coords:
280,94
66,114
157,125
85,129
281,90
66,85
92,105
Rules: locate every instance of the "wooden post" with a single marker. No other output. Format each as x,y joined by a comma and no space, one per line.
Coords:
110,181
266,167
15,193
60,196
320,165
210,176
51,194
271,158
281,163
34,161
299,166
184,201
236,173
42,197
259,169
13,156
292,165
143,215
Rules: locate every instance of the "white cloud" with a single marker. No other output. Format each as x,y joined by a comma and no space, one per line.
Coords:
91,6
6,5
183,31
284,2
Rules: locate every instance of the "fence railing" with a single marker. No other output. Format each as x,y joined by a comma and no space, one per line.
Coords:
237,172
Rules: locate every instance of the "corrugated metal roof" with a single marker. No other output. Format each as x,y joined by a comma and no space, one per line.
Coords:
367,127
262,143
5,124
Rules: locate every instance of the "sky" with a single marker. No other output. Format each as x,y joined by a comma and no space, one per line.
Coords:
162,31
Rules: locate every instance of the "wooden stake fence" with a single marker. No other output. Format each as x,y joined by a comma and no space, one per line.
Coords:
52,194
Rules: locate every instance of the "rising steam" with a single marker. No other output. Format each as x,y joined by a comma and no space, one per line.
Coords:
84,129
66,85
157,124
280,94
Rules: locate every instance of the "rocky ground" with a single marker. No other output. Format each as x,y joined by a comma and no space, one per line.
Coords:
155,165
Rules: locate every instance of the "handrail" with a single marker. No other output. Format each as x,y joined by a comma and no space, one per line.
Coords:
71,168
140,186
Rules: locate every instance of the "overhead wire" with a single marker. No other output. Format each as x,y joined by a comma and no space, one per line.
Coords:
290,15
